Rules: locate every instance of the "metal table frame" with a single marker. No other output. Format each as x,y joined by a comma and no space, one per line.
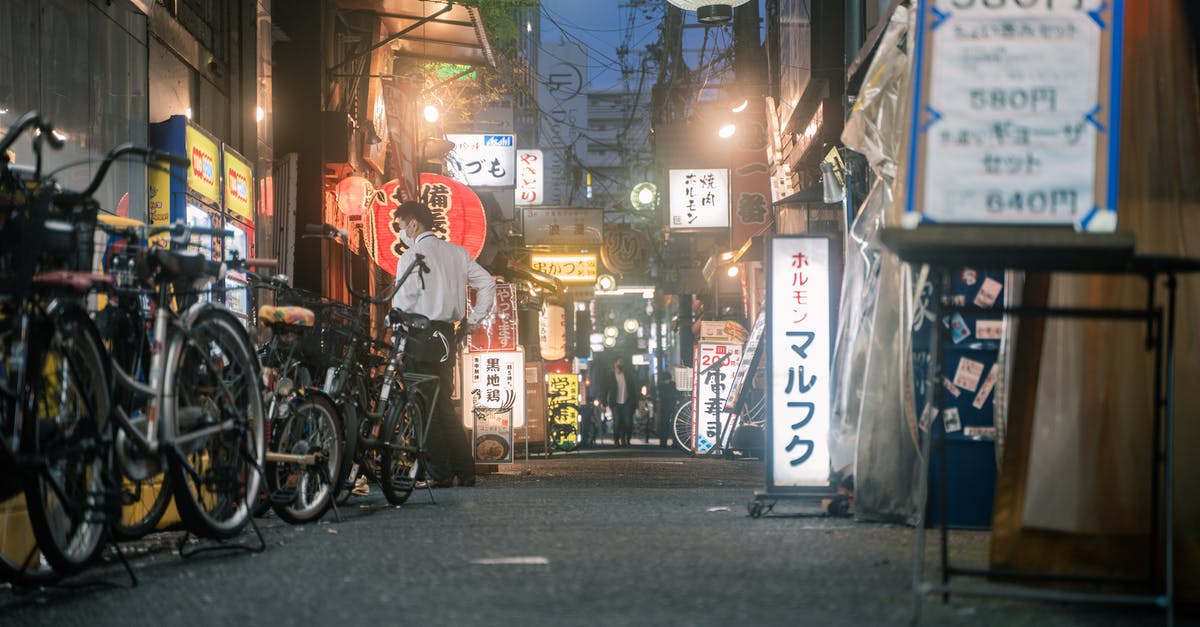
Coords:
1042,249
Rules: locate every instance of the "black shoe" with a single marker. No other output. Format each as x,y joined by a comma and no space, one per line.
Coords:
464,482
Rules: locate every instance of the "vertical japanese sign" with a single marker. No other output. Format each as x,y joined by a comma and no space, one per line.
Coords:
494,400
799,329
530,173
483,160
1016,112
498,331
699,199
562,400
716,364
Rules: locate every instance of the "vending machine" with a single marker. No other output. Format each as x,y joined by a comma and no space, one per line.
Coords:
239,220
192,193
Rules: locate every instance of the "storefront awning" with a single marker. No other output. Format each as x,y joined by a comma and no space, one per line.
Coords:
440,31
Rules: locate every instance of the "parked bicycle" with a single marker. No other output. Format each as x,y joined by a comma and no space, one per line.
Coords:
305,431
385,405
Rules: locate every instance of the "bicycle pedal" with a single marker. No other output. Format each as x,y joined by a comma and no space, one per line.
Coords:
283,496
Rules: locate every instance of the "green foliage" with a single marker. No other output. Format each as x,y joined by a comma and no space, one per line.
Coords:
498,19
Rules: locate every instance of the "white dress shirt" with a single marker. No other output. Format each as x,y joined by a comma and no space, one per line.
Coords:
444,295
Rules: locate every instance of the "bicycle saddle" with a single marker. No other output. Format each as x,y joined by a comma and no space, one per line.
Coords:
413,321
291,316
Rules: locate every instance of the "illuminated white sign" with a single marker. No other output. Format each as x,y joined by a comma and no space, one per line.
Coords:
799,330
482,160
530,173
699,199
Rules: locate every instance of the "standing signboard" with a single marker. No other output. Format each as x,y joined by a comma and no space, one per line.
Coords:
493,402
799,336
748,363
1016,113
716,363
562,400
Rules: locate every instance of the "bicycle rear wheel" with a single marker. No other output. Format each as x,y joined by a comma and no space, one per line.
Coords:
301,493
217,412
71,495
21,562
400,463
143,505
683,427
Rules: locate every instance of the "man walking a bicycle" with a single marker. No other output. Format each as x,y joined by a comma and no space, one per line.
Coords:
440,294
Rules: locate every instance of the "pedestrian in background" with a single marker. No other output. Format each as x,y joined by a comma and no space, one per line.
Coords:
441,296
621,398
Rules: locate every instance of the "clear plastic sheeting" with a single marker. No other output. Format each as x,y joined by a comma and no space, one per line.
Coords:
871,437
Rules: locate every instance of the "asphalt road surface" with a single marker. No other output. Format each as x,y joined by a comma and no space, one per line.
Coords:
631,536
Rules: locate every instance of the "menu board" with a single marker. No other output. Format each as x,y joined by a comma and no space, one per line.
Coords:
1016,113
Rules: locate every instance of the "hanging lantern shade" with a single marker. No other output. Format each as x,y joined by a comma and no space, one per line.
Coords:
710,11
353,194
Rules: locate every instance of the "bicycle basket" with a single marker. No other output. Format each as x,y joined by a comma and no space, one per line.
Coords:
337,326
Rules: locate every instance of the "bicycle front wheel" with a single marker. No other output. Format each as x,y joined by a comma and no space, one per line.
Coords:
300,492
398,473
683,427
219,433
65,426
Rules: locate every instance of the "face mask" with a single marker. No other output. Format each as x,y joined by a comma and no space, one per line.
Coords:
406,239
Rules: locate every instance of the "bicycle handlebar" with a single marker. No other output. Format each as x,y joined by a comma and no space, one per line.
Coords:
149,155
30,119
177,230
326,231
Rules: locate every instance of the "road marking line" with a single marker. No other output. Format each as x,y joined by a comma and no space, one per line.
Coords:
520,559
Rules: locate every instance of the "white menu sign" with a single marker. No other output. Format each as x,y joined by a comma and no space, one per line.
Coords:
799,331
1016,113
699,199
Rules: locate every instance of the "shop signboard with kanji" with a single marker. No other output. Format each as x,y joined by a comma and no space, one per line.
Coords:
562,399
498,331
563,226
493,402
531,170
801,273
699,199
715,366
479,160
1016,113
566,268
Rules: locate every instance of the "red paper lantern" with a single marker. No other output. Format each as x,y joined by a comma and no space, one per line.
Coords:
387,236
353,194
457,211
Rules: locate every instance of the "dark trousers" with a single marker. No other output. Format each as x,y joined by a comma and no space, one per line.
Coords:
622,423
448,449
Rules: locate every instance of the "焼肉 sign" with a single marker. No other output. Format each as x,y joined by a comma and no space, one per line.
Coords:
699,199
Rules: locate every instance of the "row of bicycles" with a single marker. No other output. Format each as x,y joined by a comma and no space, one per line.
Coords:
125,391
